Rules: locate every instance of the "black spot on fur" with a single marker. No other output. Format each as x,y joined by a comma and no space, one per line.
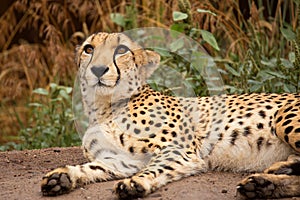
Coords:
174,134
279,119
290,116
122,139
144,150
219,121
234,136
259,142
286,138
176,152
286,122
226,127
131,149
269,107
97,167
248,115
288,129
168,167
158,125
247,131
260,126
137,131
262,113
144,140
142,112
171,125
93,143
288,109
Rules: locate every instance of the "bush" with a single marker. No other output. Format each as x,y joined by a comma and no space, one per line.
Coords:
51,120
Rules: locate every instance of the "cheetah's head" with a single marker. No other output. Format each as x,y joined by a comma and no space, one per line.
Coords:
112,63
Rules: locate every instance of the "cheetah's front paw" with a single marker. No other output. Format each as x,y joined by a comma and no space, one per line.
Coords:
129,189
256,186
56,183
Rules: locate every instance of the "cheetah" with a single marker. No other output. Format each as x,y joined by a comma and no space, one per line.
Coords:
145,139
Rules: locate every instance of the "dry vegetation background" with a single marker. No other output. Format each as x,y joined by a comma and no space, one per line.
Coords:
38,38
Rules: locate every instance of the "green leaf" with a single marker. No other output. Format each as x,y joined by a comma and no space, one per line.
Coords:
289,88
288,34
231,70
162,52
286,63
269,63
276,74
68,90
41,91
210,39
199,10
174,46
255,88
53,86
58,99
118,19
177,16
180,27
64,94
292,57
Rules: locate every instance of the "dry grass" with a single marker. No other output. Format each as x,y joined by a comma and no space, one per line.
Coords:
38,38
38,42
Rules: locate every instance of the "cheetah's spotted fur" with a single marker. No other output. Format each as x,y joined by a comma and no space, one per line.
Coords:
148,139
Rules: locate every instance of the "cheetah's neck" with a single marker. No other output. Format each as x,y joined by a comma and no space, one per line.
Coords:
103,108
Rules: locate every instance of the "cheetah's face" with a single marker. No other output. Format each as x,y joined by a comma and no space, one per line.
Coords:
110,61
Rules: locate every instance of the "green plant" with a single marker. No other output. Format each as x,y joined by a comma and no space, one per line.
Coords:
128,20
268,66
188,58
51,119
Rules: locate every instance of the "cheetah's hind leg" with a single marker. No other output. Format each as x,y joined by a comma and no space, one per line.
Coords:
287,125
282,179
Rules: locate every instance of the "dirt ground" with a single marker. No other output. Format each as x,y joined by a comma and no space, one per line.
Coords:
22,171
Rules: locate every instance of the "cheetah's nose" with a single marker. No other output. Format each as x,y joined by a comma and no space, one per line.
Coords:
99,70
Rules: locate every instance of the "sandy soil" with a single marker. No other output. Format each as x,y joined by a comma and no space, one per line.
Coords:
22,171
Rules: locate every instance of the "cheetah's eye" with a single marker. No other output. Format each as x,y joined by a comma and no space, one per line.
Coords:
88,49
121,49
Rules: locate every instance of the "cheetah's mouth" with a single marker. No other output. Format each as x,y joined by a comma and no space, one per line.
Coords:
101,83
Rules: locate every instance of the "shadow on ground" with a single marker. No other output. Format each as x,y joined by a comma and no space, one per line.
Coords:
22,171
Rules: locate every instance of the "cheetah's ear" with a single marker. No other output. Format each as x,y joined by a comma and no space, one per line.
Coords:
153,60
